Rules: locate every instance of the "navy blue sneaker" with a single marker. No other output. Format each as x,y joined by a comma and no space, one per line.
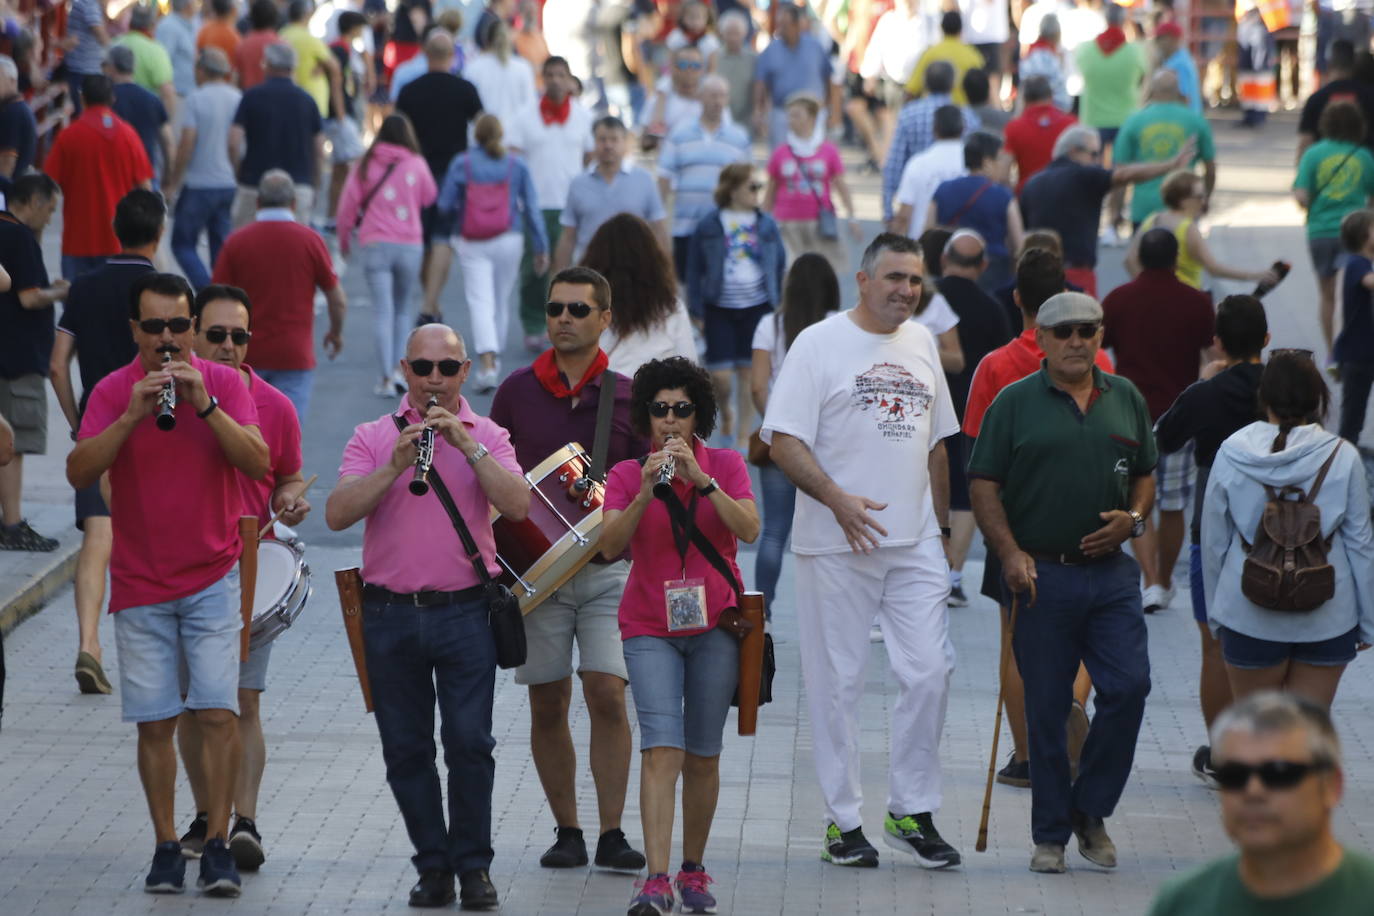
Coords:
168,874
219,876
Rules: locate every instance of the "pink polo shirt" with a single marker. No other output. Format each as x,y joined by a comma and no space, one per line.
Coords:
281,430
174,496
409,544
643,611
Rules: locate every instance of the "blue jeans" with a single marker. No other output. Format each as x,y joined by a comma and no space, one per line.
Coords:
393,271
779,500
200,210
410,650
296,384
74,265
1089,613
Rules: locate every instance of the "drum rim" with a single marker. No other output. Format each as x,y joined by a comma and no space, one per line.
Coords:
558,551
544,469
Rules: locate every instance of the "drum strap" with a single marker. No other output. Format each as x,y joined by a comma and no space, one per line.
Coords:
605,407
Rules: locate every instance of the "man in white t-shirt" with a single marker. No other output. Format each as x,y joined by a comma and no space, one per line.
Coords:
861,397
549,133
924,172
987,26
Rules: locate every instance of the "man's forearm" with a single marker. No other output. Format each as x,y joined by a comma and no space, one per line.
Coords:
563,252
61,378
95,455
800,466
1142,495
354,498
937,467
508,493
242,445
985,496
338,308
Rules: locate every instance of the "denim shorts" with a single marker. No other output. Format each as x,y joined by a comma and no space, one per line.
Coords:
153,638
1241,651
730,335
682,687
252,673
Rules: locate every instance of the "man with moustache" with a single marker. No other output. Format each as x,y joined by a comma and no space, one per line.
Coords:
174,511
223,317
861,393
556,401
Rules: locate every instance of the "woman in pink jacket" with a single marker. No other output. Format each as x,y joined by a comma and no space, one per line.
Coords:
381,201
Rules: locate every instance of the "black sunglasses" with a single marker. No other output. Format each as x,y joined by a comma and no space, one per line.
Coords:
239,336
575,309
682,409
447,367
158,325
1273,774
1087,331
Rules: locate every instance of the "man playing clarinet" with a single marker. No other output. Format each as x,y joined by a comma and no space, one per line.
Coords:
425,612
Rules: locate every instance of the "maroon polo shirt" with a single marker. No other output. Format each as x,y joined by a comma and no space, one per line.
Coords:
1158,325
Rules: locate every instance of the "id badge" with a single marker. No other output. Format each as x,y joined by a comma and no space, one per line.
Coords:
685,600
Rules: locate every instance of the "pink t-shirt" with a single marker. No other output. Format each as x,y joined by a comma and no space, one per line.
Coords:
174,496
643,610
282,433
409,544
801,181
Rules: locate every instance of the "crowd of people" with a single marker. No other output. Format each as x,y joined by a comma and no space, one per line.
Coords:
660,205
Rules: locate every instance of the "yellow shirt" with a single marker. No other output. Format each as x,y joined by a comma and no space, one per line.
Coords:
1188,269
311,62
961,56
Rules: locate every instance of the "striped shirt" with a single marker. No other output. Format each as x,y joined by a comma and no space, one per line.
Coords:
692,158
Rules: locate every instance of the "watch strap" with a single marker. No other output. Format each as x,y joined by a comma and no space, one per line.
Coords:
209,408
711,487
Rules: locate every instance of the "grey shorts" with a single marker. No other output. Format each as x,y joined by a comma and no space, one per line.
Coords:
1326,256
345,140
24,403
682,687
587,608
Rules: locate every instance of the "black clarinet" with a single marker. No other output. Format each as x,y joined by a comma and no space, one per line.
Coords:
663,487
167,401
424,459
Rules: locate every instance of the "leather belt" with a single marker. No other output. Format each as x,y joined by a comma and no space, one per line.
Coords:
421,599
1075,558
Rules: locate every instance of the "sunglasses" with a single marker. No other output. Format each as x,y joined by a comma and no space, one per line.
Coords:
682,409
158,325
1087,330
1273,774
575,309
448,368
1291,351
239,336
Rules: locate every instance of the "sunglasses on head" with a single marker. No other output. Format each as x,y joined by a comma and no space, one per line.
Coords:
447,367
575,309
1087,330
239,336
682,409
158,325
1273,774
1291,351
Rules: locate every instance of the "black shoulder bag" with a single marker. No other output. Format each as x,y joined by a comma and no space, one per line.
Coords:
503,608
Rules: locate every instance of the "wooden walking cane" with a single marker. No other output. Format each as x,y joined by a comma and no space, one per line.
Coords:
750,662
248,579
982,844
350,585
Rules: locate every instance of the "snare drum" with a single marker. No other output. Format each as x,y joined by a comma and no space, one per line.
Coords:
283,587
558,536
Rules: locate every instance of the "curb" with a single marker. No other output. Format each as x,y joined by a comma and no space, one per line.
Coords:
46,578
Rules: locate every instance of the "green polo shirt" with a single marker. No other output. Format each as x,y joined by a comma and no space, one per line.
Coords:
1058,467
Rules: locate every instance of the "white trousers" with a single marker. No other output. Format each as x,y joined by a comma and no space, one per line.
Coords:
839,596
490,268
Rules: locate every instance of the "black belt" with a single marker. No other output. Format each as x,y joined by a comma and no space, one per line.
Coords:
1074,558
421,599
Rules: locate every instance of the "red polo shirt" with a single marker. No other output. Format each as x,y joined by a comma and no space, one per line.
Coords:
1008,363
1158,327
1030,138
96,160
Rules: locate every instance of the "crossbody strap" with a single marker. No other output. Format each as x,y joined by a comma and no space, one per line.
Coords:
362,207
968,204
702,542
605,407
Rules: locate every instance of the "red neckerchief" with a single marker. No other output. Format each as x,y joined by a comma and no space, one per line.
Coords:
546,371
1043,44
555,113
1111,38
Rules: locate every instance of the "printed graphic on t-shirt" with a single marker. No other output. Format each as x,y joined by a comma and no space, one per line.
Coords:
1339,175
894,396
809,178
1162,140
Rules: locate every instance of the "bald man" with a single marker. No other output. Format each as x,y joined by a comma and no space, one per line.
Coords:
1157,132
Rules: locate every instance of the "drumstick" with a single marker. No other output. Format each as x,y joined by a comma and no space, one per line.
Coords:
273,520
982,843
248,580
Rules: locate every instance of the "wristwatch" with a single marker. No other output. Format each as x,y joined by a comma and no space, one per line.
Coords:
209,408
709,488
1137,523
478,455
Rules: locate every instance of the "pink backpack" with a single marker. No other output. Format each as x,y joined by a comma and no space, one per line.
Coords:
486,205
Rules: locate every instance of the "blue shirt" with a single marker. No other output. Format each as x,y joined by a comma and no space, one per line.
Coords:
83,17
477,167
1355,343
144,112
692,158
280,121
1067,197
787,70
592,200
915,131
987,214
175,33
1181,62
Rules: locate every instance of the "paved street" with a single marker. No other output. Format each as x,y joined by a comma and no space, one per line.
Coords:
74,833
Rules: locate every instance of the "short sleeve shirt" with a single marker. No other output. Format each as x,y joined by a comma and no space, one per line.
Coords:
803,181
312,56
1067,197
1215,889
784,70
280,122
152,63
165,547
1338,178
26,343
145,113
643,606
1007,364
83,18
96,316
1155,133
552,151
281,430
592,200
209,111
440,106
96,160
18,133
1030,139
1341,90
409,544
1158,325
693,158
1355,342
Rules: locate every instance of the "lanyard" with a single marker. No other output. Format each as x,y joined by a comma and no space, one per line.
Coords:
683,525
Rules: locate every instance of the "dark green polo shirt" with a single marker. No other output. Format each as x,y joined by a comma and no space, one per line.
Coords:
1059,467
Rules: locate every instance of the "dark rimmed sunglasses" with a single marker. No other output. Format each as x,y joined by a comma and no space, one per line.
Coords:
1273,774
158,325
575,309
1086,331
447,367
682,409
238,335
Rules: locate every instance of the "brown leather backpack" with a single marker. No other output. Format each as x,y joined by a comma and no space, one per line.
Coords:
1286,569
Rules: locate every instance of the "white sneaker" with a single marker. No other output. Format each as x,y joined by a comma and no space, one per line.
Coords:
875,633
1111,239
1156,598
484,380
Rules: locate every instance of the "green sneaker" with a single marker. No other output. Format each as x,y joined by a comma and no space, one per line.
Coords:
916,834
848,848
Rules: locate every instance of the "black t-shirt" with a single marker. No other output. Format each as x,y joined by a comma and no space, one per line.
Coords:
280,121
440,105
343,53
1342,90
1067,197
96,315
18,132
145,113
26,335
982,328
